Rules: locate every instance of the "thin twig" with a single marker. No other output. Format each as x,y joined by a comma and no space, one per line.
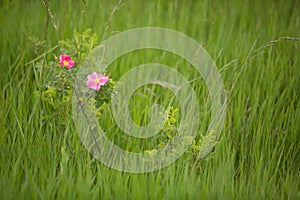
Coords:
49,13
83,9
255,52
272,42
41,80
87,119
45,2
41,56
114,10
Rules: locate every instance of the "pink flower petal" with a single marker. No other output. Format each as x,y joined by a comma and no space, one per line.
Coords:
92,76
90,83
66,61
63,57
67,58
98,86
68,67
71,63
103,80
61,63
96,80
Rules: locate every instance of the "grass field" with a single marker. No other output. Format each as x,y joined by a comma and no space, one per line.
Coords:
256,47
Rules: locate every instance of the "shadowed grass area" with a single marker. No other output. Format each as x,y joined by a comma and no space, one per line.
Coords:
258,154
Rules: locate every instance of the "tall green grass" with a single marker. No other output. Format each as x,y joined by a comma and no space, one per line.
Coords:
258,154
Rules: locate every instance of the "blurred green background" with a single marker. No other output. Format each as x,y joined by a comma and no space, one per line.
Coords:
256,47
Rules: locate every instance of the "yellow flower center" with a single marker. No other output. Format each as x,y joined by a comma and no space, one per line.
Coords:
66,63
97,80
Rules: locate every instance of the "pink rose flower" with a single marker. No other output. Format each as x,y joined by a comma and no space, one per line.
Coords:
66,61
96,80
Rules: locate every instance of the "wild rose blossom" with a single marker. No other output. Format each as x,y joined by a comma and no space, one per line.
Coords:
66,61
95,81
